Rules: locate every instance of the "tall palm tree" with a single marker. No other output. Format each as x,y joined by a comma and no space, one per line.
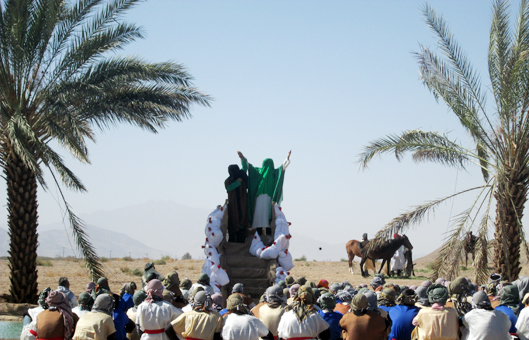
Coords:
58,82
499,135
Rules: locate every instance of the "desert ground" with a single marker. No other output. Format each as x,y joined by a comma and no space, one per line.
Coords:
120,271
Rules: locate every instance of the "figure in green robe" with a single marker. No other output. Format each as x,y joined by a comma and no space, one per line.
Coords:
265,185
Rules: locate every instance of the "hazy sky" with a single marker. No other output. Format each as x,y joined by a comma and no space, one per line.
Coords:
320,78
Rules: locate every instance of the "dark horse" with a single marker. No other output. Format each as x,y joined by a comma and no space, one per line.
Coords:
470,246
384,251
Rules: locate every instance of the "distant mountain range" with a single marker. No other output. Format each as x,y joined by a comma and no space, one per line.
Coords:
154,229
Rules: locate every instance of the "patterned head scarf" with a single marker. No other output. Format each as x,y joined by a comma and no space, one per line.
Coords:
273,296
371,300
305,294
523,286
85,301
171,280
302,305
407,298
362,290
323,283
148,265
327,301
282,284
510,297
218,302
286,293
104,304
186,284
43,296
138,297
89,287
202,301
413,287
128,288
359,302
237,288
335,287
437,293
293,290
427,283
289,280
377,281
344,296
387,297
480,300
58,301
236,303
422,297
301,280
154,291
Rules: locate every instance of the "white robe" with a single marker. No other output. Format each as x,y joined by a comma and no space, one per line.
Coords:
481,324
245,327
522,325
398,261
290,327
154,316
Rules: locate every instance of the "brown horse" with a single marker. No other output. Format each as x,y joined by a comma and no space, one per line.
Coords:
384,251
353,250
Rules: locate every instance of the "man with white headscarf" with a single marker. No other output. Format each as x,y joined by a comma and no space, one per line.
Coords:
98,323
200,323
155,314
483,322
271,312
345,299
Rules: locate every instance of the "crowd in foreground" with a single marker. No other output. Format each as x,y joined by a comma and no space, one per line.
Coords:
167,309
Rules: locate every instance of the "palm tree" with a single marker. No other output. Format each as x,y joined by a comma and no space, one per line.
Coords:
499,135
57,83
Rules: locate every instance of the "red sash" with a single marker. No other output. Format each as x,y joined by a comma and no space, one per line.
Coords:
154,331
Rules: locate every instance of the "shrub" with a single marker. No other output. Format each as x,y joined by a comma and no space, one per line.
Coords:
159,262
137,272
125,270
302,258
127,258
187,256
343,260
45,263
103,259
166,258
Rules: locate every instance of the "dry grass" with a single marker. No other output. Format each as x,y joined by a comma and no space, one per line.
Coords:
119,272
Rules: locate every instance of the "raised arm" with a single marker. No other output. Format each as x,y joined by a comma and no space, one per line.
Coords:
244,161
286,163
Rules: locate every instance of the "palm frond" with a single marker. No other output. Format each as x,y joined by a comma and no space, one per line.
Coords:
425,146
411,218
92,262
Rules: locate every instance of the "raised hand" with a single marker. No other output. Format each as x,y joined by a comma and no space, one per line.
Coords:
241,156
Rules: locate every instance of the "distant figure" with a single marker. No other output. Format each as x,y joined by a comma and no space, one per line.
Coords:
237,186
265,185
172,292
64,287
364,241
149,274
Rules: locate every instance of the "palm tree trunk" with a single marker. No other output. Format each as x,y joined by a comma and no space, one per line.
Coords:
22,224
510,197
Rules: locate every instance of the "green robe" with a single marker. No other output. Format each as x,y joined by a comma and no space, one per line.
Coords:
263,180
